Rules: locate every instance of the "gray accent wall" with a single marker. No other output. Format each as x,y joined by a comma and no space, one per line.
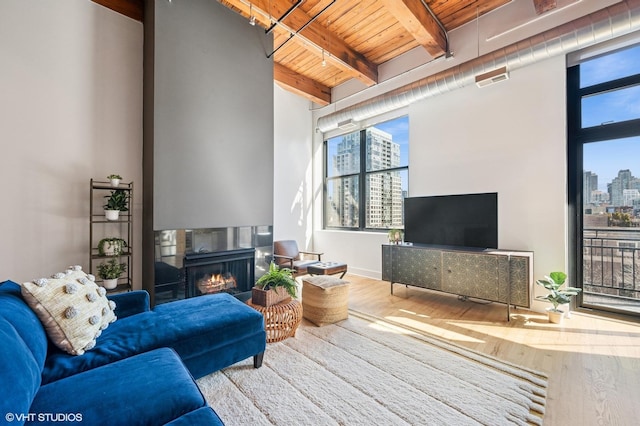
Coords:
213,118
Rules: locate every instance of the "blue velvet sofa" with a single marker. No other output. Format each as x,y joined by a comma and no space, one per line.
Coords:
141,370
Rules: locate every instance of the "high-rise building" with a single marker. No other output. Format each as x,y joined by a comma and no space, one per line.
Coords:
589,184
624,180
383,190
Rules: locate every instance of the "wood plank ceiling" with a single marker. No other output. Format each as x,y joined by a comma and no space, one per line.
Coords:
320,44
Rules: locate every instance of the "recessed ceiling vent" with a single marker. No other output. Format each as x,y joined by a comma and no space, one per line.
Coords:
491,77
349,124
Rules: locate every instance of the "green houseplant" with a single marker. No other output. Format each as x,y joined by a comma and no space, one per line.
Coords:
557,295
275,286
111,246
110,272
395,236
114,179
116,203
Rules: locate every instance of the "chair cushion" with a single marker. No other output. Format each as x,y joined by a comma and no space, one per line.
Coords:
72,307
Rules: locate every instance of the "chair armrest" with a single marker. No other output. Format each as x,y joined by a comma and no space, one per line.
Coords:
312,254
130,303
287,258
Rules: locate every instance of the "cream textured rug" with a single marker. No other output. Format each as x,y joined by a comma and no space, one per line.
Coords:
370,371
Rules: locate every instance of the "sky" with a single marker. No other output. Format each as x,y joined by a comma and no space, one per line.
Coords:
606,158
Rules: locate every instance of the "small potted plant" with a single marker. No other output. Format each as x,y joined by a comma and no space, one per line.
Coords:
110,272
395,236
116,203
111,246
274,287
114,179
557,295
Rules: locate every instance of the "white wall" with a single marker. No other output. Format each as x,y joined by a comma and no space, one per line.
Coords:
293,131
70,110
508,138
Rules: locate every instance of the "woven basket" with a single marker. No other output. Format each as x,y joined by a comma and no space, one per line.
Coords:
281,320
325,300
269,297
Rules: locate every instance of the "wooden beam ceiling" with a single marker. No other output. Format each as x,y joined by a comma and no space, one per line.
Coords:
301,85
420,23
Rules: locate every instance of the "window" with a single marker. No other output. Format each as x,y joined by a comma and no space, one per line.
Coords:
366,178
603,98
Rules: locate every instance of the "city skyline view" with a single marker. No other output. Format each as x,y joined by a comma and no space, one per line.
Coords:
607,158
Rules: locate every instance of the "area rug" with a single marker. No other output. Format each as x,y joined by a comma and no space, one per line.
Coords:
370,371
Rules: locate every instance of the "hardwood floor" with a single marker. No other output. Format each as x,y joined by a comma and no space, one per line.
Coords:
593,362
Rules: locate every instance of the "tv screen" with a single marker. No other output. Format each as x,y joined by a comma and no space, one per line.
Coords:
469,220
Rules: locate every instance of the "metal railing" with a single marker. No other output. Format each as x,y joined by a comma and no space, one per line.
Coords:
611,261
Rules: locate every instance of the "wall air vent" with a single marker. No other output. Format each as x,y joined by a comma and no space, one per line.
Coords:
491,77
347,124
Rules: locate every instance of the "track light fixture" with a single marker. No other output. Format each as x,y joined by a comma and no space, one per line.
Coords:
252,17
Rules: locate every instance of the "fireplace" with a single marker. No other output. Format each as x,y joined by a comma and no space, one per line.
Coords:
230,271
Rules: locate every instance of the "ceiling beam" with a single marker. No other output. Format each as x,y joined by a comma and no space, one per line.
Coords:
543,6
341,54
420,23
301,85
134,9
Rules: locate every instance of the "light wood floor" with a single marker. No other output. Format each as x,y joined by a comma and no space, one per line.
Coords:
593,362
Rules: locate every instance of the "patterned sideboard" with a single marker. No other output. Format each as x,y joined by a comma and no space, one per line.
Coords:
496,275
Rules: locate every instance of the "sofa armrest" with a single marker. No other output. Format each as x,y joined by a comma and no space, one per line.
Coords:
130,303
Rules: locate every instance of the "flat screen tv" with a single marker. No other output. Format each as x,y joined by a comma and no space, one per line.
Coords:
468,220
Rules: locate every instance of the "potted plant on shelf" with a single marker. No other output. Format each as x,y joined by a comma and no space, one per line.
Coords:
110,272
111,246
556,295
273,287
114,179
116,203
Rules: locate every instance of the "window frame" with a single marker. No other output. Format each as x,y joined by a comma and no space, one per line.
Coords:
362,175
577,137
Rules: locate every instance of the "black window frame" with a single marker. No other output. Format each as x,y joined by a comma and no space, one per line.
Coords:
577,137
362,183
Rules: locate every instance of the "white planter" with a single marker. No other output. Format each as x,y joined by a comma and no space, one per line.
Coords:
110,284
115,182
112,214
112,248
555,317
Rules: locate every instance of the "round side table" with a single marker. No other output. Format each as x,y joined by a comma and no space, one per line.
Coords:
280,320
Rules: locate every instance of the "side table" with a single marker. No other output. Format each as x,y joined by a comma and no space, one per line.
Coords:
280,320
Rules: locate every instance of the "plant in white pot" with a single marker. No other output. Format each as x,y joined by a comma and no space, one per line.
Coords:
111,246
557,295
116,203
114,179
273,287
110,272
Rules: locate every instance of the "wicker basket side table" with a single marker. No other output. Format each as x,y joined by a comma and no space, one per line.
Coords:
280,320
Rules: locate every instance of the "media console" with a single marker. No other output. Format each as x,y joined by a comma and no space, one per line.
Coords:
503,276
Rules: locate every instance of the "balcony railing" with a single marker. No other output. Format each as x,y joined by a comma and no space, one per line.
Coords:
611,262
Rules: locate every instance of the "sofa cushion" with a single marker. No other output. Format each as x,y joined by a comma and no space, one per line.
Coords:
150,388
19,371
15,310
72,307
193,327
